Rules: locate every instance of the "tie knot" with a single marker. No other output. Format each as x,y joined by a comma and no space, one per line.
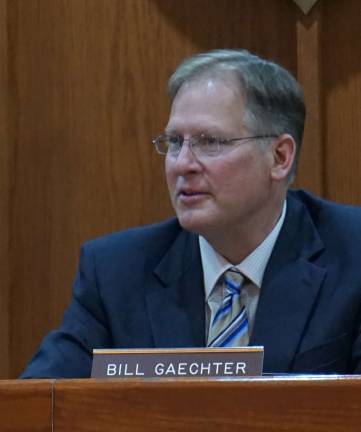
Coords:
233,279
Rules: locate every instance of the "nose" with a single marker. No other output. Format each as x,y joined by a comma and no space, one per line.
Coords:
186,161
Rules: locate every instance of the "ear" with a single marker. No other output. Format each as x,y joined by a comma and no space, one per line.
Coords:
283,153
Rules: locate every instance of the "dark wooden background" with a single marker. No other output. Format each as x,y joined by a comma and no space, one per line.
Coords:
83,90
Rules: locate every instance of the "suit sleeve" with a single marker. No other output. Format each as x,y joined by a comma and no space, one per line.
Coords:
356,348
67,351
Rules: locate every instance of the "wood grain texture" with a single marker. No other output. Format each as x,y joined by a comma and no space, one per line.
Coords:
4,198
26,406
87,92
84,164
311,169
341,76
322,405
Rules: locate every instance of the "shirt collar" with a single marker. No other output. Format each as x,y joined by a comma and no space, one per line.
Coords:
253,266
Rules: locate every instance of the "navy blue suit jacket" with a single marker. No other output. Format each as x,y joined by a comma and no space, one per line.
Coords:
144,288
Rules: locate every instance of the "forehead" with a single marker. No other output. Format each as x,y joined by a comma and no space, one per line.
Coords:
207,104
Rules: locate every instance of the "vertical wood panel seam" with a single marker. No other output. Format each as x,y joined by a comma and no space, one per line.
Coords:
4,187
309,75
13,120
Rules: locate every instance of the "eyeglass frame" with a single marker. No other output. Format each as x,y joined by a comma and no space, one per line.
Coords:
193,144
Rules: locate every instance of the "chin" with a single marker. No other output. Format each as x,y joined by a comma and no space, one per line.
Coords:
198,224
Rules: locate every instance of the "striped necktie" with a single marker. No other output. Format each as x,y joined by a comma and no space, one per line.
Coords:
229,326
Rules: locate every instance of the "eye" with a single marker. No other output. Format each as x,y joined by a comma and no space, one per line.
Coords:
208,145
207,141
173,140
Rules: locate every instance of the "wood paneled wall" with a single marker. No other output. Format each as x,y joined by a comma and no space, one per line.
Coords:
4,199
341,97
84,85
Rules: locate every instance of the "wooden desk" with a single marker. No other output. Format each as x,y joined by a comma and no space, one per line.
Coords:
321,404
26,406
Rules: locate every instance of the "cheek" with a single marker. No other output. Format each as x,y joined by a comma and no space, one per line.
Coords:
170,174
241,177
235,172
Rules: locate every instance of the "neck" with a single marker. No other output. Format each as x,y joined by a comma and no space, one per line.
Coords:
237,242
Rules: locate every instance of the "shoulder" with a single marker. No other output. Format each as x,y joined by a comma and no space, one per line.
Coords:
155,237
330,218
317,205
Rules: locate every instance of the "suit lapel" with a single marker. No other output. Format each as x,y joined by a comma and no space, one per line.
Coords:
176,296
289,290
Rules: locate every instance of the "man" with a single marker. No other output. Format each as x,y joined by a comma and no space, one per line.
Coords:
246,261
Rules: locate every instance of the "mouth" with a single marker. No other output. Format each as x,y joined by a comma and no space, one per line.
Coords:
188,192
190,196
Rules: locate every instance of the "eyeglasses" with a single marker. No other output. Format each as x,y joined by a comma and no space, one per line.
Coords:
201,145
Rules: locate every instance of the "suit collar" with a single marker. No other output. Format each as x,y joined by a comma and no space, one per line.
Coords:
290,287
176,296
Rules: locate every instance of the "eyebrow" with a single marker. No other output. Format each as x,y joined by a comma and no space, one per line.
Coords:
208,132
171,132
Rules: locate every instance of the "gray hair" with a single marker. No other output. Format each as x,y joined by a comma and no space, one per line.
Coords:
274,99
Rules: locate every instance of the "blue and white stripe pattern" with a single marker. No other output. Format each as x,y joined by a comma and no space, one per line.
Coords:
230,324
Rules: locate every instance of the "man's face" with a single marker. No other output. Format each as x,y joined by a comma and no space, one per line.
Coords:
214,193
